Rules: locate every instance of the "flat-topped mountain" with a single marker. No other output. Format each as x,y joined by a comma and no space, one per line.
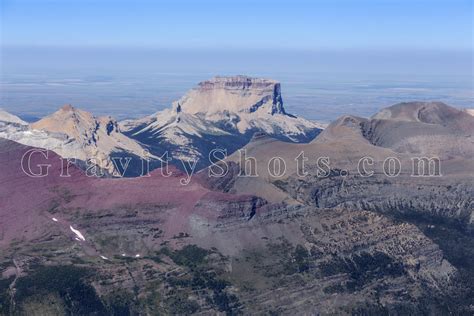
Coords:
223,112
239,94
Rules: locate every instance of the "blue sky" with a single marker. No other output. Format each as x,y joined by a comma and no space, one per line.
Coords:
243,24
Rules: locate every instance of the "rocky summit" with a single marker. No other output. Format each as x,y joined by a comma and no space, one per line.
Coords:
239,94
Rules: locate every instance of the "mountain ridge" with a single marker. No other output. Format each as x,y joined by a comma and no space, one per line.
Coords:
221,113
79,135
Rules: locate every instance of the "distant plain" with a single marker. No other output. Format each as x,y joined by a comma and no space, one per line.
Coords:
317,85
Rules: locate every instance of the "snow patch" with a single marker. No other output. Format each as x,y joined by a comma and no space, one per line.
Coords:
78,233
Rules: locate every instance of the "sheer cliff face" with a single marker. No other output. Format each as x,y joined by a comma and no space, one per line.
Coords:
237,94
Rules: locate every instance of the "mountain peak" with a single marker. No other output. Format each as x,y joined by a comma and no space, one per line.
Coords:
234,94
67,107
412,111
67,120
88,136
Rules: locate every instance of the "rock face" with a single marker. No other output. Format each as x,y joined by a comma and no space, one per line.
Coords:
319,261
77,134
238,94
224,113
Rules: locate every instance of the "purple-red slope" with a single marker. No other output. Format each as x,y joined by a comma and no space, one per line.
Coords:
29,204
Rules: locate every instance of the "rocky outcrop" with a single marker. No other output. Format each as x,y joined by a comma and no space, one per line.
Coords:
429,198
231,209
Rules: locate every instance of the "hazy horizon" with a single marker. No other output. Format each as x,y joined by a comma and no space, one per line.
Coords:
331,57
319,85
